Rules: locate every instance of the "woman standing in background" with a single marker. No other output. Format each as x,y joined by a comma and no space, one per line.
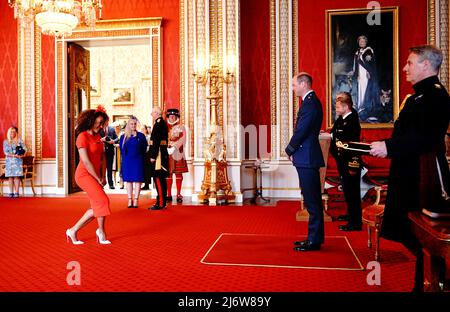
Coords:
133,146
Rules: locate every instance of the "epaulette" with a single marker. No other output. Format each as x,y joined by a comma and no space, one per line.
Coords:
437,86
404,101
158,120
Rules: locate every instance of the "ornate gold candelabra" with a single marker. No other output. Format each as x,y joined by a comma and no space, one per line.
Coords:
215,182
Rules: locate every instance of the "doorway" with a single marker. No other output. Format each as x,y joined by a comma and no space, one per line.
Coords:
143,81
78,100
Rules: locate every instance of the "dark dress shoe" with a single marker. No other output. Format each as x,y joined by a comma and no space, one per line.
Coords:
301,243
111,187
349,227
156,207
169,198
307,247
343,217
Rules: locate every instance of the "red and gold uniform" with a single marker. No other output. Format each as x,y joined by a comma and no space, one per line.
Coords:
177,160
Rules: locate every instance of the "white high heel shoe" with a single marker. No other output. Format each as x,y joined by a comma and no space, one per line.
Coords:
101,239
73,239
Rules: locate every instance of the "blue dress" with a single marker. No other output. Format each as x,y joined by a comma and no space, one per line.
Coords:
133,152
13,165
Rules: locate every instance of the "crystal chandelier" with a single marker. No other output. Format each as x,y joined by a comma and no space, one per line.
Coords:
57,17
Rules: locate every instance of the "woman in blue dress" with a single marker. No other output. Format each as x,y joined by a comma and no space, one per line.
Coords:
13,163
133,146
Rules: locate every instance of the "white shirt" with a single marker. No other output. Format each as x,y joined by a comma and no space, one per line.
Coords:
304,97
345,116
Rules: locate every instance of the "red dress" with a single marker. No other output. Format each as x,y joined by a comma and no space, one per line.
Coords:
97,196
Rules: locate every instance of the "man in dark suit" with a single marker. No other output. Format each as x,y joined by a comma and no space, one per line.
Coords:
420,129
159,157
346,129
305,153
109,138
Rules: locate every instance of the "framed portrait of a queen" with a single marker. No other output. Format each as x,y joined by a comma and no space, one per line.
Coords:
362,59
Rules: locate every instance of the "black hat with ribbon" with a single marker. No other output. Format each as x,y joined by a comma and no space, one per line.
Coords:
173,111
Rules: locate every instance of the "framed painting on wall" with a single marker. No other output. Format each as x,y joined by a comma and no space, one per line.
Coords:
121,119
95,83
362,59
123,95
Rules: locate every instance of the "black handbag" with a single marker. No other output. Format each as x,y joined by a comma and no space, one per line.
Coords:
20,150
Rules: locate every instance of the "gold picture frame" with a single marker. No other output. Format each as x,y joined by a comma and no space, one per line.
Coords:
362,59
122,119
95,83
122,95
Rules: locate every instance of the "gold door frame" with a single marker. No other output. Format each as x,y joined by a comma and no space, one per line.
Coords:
114,29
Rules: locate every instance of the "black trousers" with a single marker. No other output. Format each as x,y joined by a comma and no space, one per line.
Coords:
147,169
109,165
351,184
159,178
414,246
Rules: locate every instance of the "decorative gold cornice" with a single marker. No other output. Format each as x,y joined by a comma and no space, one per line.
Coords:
294,51
431,21
215,46
118,28
59,116
112,33
273,76
438,34
444,41
20,74
28,76
118,24
38,93
219,49
156,72
182,62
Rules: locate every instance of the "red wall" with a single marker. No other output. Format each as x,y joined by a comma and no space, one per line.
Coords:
48,97
8,71
255,65
312,53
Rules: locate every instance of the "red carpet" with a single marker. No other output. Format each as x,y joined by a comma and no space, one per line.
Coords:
159,251
277,251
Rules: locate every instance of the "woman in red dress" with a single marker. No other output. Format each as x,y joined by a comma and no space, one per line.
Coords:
90,173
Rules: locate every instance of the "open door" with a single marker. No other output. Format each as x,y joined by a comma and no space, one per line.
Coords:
79,99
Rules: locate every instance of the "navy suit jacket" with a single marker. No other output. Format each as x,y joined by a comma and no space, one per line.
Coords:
110,148
304,146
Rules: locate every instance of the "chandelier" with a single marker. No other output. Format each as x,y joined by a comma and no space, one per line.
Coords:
57,17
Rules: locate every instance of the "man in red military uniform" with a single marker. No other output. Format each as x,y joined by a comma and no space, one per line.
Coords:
177,160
